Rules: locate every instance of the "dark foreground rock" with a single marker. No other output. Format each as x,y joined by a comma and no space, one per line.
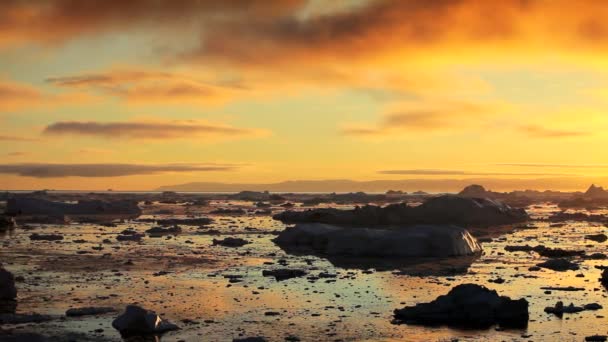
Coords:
559,265
468,306
46,237
8,291
198,221
597,237
559,309
604,278
160,231
284,273
139,321
446,209
250,339
230,242
88,311
415,241
10,318
12,336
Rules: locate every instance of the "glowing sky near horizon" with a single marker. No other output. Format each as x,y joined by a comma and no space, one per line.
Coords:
154,92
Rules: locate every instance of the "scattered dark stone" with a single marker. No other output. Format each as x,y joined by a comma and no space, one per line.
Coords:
592,306
558,288
559,265
159,231
596,256
559,309
250,339
130,237
231,242
228,211
597,237
139,321
198,221
12,336
283,273
596,338
468,306
46,237
87,311
557,252
9,318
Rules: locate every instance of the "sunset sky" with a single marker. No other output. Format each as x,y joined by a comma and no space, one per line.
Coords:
137,94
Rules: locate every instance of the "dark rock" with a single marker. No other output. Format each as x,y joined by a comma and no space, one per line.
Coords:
9,318
46,237
8,292
87,311
596,338
562,288
159,231
604,278
250,339
468,306
21,337
283,273
130,237
559,265
231,242
597,237
592,306
198,221
559,309
558,252
139,321
228,211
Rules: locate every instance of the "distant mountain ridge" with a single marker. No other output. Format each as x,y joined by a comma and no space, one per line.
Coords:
409,185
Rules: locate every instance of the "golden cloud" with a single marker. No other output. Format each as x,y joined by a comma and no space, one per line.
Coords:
151,130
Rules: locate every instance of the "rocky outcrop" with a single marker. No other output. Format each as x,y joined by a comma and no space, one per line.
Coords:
8,291
468,306
139,321
446,209
30,206
414,241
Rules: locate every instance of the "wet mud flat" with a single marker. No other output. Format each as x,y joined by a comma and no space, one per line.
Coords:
218,293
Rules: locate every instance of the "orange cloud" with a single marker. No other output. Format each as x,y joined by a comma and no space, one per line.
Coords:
144,86
41,170
151,130
537,131
57,21
425,118
15,96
